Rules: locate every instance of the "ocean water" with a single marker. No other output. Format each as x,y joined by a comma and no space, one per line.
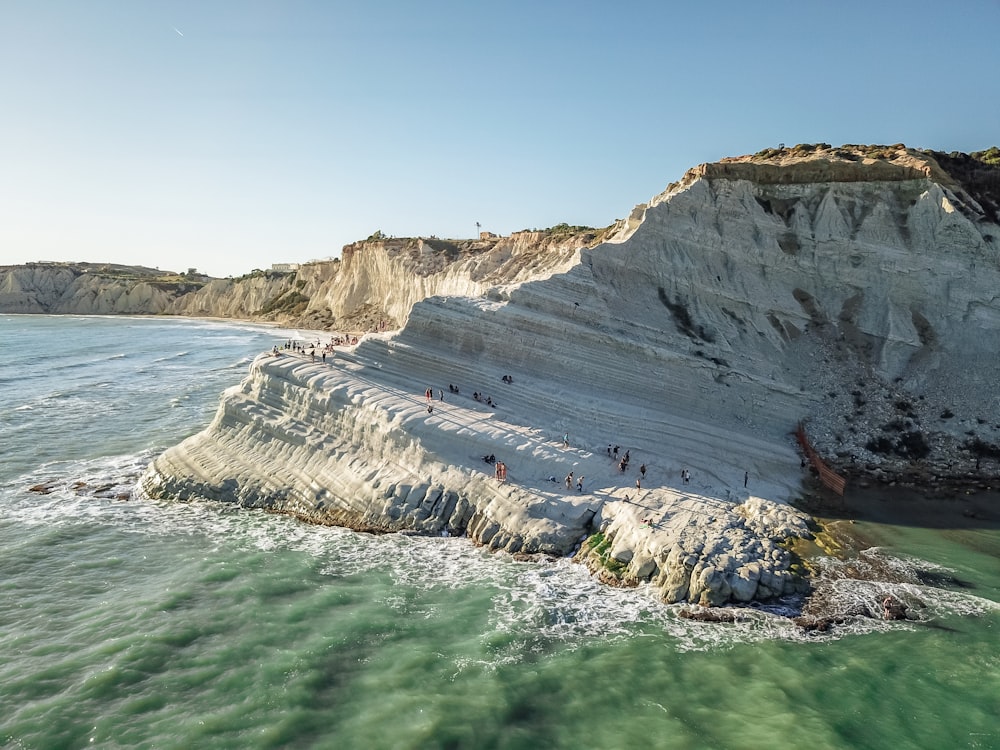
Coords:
128,623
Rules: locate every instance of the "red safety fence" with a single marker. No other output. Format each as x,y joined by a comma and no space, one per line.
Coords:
830,479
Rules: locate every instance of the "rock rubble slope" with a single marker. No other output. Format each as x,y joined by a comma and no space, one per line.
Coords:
853,291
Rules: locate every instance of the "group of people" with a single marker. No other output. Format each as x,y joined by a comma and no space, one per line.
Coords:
488,400
429,395
623,466
298,347
579,482
501,468
480,397
343,341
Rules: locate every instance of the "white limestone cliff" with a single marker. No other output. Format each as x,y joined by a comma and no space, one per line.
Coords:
376,281
390,276
851,290
71,289
245,298
742,300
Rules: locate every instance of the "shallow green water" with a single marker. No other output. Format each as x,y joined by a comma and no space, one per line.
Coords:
140,624
118,638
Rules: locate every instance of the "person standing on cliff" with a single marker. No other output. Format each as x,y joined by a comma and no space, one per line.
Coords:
566,440
569,480
579,484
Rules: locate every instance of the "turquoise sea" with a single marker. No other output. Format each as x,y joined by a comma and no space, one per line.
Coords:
127,623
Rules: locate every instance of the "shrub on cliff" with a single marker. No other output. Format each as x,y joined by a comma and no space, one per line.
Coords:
911,444
990,156
290,303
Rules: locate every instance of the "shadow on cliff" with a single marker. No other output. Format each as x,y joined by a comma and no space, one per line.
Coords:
901,506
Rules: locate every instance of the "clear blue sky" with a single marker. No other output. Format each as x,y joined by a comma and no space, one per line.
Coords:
230,135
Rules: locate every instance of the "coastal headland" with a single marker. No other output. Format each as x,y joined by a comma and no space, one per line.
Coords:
851,290
356,442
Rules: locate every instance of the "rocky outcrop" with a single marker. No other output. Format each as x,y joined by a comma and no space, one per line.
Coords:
749,296
347,443
256,296
851,288
333,456
381,280
85,289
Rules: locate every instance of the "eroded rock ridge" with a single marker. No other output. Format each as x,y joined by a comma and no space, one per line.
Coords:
852,291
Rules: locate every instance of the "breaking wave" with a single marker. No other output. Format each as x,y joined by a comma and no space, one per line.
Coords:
533,605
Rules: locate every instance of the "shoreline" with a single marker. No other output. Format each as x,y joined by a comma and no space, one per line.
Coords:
710,542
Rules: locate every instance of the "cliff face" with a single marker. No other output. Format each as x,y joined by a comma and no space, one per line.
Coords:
83,289
871,300
383,279
352,443
377,282
866,308
745,298
254,297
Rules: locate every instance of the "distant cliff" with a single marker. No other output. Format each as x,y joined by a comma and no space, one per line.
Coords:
375,282
90,289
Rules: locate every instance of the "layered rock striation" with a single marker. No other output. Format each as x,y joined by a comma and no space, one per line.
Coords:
86,289
749,296
352,442
851,289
